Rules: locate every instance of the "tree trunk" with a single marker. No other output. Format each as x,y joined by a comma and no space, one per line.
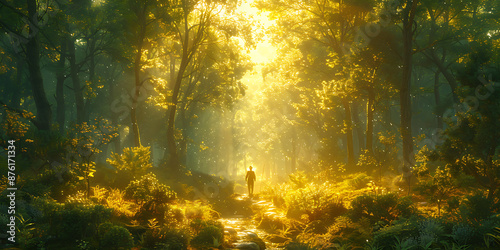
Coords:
183,140
141,15
77,89
114,116
357,126
88,101
135,97
16,96
369,120
348,121
44,113
171,85
235,147
437,99
174,163
61,108
404,93
447,75
294,153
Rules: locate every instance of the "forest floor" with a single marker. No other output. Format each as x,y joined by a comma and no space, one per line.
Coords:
242,231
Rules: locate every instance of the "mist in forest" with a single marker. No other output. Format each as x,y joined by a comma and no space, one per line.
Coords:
251,124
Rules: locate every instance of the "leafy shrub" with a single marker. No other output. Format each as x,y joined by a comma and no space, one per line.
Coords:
430,231
359,181
367,161
166,238
151,196
431,227
452,204
477,207
34,243
384,208
463,233
194,210
270,224
485,229
198,225
114,237
208,237
152,210
148,188
298,246
316,201
135,161
436,186
4,219
121,207
76,221
401,230
298,179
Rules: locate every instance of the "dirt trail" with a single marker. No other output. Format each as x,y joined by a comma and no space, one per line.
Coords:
240,230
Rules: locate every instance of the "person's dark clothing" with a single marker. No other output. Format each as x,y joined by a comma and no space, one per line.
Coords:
250,179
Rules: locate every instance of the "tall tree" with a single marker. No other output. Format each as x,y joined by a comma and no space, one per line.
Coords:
332,24
140,26
191,36
408,30
31,14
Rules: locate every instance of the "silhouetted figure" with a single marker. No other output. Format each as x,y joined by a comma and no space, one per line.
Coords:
250,179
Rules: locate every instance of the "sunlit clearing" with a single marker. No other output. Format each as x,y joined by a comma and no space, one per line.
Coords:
264,52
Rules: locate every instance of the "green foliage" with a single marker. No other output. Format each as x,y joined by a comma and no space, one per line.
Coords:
152,197
463,234
134,160
198,210
198,225
452,205
316,201
270,224
166,238
85,141
477,207
383,208
29,235
70,222
430,232
437,185
114,237
298,246
405,244
367,161
398,232
471,144
208,237
13,125
298,179
485,229
359,181
147,188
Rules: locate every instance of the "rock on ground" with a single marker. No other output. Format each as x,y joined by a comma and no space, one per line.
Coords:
248,246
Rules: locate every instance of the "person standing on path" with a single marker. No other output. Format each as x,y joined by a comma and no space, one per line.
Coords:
250,179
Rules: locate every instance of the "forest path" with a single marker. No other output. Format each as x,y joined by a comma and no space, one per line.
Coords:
240,231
